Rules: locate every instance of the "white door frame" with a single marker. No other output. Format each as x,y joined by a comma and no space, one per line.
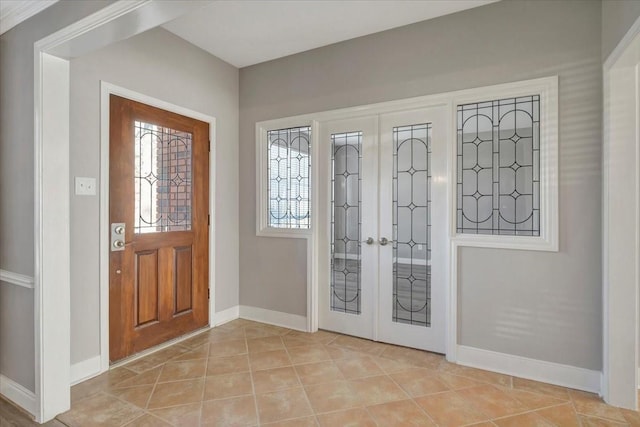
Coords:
107,89
620,302
115,22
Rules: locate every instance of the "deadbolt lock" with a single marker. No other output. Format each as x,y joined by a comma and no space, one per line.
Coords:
117,236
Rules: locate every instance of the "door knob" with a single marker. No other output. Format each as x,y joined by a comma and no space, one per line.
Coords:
383,241
369,241
118,244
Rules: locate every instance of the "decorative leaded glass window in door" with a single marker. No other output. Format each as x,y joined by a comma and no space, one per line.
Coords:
162,179
412,224
346,219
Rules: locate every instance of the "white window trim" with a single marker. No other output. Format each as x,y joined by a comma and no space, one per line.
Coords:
262,206
548,240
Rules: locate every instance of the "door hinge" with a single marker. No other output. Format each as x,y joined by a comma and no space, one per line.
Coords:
208,219
208,293
209,145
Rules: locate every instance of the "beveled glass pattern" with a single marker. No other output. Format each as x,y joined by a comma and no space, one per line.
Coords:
162,179
289,168
412,224
498,167
346,218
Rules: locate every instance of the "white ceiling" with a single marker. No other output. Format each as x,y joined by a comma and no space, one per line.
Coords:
252,31
247,32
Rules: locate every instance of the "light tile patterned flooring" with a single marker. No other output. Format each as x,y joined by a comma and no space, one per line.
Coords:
245,373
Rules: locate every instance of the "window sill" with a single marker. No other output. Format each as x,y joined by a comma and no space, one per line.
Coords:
286,233
525,243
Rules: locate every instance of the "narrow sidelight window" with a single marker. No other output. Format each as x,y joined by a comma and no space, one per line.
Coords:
288,171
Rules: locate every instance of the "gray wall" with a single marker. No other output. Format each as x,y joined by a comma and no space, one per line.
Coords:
541,305
617,17
16,180
162,65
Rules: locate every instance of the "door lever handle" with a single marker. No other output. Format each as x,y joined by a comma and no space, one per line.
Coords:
383,241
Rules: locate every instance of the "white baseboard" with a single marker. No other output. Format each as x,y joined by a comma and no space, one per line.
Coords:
19,395
538,370
277,318
224,316
85,369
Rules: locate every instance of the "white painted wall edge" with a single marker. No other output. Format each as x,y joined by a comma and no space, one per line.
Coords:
16,279
17,394
532,369
276,318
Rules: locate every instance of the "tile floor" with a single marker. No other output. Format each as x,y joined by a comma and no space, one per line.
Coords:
247,374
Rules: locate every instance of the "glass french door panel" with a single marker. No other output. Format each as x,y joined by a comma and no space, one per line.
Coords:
413,215
346,221
411,224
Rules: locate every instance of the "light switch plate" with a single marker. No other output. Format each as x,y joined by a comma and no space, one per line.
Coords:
85,186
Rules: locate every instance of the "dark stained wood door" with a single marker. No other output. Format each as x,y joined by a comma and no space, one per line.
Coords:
159,190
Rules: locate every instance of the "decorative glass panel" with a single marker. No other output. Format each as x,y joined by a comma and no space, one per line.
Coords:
498,167
346,218
289,167
412,224
162,179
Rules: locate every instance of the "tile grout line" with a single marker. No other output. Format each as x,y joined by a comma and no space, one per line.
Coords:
411,398
304,391
529,411
155,384
253,386
204,384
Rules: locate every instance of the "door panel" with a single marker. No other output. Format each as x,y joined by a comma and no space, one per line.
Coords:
349,150
159,174
183,283
413,206
147,287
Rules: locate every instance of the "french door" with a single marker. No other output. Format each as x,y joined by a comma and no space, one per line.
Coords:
383,234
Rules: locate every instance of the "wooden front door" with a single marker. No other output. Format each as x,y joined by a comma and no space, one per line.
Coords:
159,215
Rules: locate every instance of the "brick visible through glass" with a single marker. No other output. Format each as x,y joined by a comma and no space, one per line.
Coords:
162,179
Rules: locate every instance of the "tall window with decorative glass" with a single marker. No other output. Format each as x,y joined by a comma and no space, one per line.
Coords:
288,170
498,167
